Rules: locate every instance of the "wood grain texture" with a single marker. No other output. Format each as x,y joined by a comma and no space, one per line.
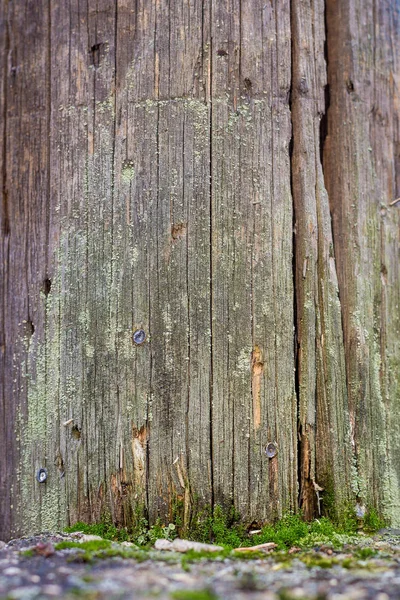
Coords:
25,201
361,168
155,158
252,296
326,453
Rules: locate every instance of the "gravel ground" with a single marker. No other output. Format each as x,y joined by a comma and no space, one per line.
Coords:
163,576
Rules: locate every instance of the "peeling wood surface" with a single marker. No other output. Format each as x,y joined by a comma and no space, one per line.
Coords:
155,160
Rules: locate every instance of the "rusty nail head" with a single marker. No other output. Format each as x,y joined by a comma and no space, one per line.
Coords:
271,449
139,336
41,475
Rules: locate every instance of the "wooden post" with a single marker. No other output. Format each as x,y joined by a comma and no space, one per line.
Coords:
200,275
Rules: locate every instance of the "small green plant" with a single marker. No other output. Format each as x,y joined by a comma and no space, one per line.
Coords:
224,528
285,533
372,521
221,527
364,553
140,533
105,529
159,531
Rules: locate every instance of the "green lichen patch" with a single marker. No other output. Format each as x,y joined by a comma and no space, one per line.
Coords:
128,172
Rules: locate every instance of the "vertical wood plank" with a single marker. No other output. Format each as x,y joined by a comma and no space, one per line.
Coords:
360,163
8,447
326,453
179,452
25,205
253,391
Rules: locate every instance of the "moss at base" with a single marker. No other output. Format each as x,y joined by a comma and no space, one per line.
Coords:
224,528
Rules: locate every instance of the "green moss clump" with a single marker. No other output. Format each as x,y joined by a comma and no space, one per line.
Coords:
224,528
140,533
193,556
221,527
205,594
373,522
286,594
323,562
105,529
80,593
285,533
100,549
364,553
91,546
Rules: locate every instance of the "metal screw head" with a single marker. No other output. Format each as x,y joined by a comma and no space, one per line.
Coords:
139,336
271,450
41,475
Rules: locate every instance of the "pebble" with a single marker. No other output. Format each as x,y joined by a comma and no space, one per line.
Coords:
12,571
89,538
25,593
52,590
128,545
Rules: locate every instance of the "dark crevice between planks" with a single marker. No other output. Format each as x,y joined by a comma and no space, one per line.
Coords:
306,442
210,130
323,126
294,266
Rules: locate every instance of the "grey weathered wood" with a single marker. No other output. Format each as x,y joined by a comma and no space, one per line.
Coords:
326,456
25,200
361,169
146,184
252,298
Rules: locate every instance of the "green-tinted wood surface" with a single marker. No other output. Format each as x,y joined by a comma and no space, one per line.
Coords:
252,296
326,454
156,158
361,167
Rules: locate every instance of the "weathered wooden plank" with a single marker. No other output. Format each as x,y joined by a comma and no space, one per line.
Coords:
179,270
67,315
25,200
146,186
252,297
326,453
360,166
8,446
